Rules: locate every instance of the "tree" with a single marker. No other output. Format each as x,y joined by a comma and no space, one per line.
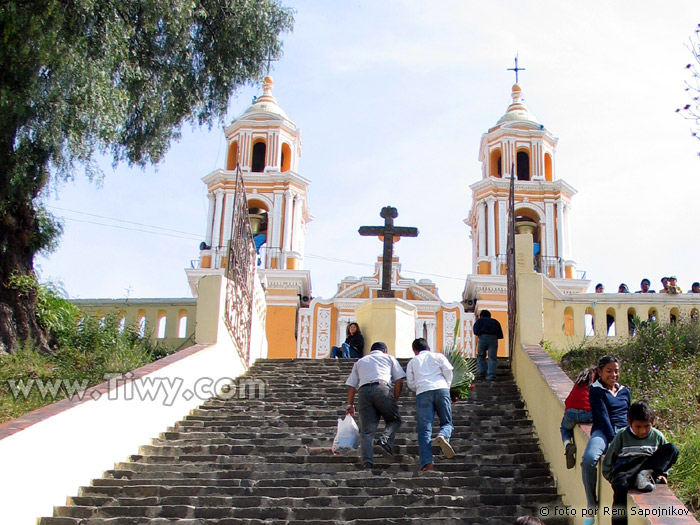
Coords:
81,78
691,111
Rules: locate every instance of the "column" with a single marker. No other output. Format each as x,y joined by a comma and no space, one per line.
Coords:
560,238
432,332
288,213
219,196
297,230
273,246
228,219
343,323
491,251
502,227
210,219
567,235
481,226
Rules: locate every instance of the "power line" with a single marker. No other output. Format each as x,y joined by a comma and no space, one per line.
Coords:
120,220
196,237
133,229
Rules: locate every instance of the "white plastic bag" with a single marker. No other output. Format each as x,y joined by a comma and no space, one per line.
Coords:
347,437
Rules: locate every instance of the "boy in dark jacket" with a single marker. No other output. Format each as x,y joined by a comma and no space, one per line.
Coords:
638,457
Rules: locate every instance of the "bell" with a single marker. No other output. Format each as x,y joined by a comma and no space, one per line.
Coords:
258,220
525,225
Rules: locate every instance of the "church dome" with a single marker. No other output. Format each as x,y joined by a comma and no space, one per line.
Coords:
266,102
518,110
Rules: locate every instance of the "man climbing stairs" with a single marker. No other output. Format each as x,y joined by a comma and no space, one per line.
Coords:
265,458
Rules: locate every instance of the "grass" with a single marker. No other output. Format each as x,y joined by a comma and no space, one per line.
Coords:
661,363
86,350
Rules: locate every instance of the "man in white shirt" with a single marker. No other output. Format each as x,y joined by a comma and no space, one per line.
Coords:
371,378
429,374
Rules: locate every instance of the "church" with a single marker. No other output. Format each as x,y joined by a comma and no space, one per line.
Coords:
265,144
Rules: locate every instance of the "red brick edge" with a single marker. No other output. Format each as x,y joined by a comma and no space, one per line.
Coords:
661,497
43,413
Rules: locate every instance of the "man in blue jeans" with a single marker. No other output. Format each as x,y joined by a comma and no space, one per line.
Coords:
488,331
430,375
372,378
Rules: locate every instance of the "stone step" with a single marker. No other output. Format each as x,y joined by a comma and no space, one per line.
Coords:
267,460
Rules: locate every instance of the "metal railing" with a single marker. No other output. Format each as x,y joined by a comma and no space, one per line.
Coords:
240,272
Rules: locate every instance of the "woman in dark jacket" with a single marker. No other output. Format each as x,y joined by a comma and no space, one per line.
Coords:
353,346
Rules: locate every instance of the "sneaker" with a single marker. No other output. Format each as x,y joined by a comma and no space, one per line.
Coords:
570,453
446,448
428,468
645,481
385,449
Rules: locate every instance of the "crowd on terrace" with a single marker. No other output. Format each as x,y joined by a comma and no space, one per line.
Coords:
668,284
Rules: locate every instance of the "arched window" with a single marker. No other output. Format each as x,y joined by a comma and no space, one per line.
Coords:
548,170
569,321
232,158
286,161
653,315
674,315
161,321
259,152
610,320
141,322
496,164
589,323
523,161
631,326
121,321
182,324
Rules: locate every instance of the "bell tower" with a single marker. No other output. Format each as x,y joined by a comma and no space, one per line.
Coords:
265,145
520,146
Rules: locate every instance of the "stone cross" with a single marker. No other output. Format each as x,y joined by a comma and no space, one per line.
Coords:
388,231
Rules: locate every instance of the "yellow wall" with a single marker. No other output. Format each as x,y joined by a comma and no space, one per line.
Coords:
281,340
132,310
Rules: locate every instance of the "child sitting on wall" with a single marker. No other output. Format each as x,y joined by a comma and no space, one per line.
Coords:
578,410
638,457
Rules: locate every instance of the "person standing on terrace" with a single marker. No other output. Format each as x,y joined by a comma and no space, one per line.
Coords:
644,285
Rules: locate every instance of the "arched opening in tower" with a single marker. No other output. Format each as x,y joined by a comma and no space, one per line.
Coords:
523,160
259,150
286,160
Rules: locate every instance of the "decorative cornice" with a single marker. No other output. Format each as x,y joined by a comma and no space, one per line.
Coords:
221,175
503,184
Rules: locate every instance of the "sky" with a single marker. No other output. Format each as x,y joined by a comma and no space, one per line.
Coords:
392,99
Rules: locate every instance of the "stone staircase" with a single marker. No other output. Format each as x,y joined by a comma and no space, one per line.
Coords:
268,460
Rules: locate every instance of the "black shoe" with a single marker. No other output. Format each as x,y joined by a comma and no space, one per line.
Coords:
385,449
570,453
367,466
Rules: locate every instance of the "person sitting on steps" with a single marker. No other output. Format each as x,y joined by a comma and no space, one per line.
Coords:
353,346
578,410
638,457
609,404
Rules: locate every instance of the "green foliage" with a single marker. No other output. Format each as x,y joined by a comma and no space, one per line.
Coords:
117,77
91,349
463,373
661,363
54,313
464,370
